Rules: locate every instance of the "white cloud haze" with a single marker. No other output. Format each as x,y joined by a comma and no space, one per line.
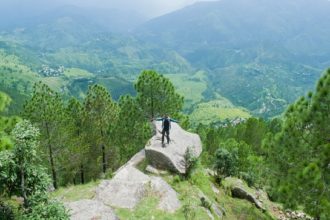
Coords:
149,8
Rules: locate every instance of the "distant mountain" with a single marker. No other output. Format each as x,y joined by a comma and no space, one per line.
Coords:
113,20
301,27
260,54
96,43
96,40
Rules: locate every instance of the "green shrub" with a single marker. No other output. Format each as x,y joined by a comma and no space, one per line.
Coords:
6,212
206,204
189,211
225,163
176,179
49,210
190,162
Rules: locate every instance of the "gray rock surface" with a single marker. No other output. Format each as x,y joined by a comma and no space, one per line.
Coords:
90,209
130,185
124,190
169,201
217,210
171,156
242,191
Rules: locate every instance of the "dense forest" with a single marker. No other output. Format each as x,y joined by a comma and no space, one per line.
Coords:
81,89
54,143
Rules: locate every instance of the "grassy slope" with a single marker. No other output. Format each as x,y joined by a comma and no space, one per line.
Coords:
217,110
16,80
193,88
188,191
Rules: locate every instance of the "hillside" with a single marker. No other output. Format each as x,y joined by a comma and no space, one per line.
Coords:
138,190
260,56
253,51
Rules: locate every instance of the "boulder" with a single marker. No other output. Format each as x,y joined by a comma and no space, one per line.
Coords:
90,209
169,201
130,185
240,190
219,212
125,189
171,156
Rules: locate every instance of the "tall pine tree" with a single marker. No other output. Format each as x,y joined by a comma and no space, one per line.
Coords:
101,118
301,153
156,95
45,109
132,129
77,148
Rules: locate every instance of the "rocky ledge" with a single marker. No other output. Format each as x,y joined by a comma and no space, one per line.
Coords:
171,156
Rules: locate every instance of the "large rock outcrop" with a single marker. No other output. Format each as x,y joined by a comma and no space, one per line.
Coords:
240,190
130,185
87,209
171,156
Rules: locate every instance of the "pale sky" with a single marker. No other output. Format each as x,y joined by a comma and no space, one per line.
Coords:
149,8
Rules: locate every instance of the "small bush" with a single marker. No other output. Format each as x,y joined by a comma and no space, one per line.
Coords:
225,163
6,212
189,211
176,179
206,204
46,210
190,162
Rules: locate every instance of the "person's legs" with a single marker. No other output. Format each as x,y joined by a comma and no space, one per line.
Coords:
163,133
168,136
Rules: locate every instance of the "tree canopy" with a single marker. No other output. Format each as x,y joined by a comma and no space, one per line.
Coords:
156,95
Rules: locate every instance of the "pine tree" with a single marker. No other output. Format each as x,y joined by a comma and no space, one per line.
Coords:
45,109
156,95
101,118
6,123
254,132
77,148
5,100
132,130
301,153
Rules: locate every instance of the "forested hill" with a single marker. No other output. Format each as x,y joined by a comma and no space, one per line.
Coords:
271,50
261,161
253,57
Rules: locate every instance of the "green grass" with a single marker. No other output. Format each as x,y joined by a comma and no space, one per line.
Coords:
191,87
16,79
12,71
188,194
75,192
234,208
55,83
142,165
217,110
147,208
74,73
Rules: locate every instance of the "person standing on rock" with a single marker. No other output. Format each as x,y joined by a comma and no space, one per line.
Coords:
166,126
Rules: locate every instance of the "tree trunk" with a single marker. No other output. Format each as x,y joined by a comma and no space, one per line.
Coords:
23,186
103,159
104,164
51,158
52,164
152,105
82,175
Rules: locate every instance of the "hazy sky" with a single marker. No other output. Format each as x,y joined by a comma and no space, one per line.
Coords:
149,8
